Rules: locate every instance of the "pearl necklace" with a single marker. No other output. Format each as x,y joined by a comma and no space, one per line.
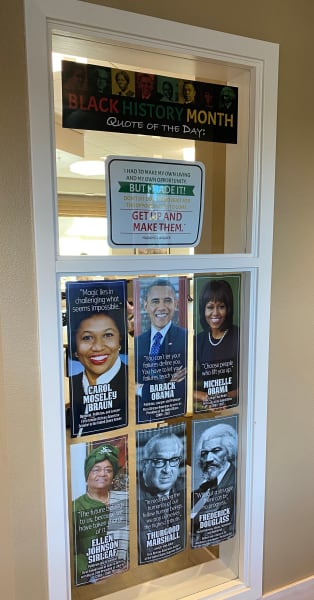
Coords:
220,339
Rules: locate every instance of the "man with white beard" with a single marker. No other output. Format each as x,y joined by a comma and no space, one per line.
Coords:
213,502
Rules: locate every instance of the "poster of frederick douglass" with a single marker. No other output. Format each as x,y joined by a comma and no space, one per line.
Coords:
160,347
100,98
161,492
99,481
97,347
214,473
216,342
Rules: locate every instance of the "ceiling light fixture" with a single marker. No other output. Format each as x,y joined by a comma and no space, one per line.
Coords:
88,168
189,153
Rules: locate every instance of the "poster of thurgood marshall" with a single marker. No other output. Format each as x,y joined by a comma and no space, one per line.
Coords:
214,475
100,517
100,98
97,349
161,492
160,347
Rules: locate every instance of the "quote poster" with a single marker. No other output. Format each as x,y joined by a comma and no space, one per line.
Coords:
216,342
98,353
151,202
100,517
161,492
214,473
160,347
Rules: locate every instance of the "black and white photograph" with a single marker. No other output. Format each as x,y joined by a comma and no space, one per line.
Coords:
161,492
214,476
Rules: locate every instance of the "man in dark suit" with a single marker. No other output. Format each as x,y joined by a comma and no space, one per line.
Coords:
160,357
213,502
161,497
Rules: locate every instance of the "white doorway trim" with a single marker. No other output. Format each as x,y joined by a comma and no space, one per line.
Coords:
121,27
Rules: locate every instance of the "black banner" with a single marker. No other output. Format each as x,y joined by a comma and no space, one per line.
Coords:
104,99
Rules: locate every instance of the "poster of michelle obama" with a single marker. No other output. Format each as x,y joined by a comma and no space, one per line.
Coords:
104,99
216,341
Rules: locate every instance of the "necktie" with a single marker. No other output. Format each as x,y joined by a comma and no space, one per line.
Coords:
206,485
156,344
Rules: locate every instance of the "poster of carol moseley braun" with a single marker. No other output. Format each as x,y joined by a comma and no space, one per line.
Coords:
97,345
214,473
118,100
216,342
161,492
160,347
100,519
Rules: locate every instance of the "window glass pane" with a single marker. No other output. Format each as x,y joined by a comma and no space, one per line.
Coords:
227,209
210,564
82,231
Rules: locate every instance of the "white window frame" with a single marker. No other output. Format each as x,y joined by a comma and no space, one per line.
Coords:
262,59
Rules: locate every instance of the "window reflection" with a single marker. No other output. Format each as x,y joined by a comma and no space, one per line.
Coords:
83,235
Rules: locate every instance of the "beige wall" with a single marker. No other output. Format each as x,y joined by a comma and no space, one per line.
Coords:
289,540
22,530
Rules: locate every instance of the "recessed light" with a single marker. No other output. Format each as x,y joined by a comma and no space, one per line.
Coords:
189,153
88,168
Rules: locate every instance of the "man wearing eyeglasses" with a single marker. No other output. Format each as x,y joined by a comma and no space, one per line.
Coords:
161,498
161,462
